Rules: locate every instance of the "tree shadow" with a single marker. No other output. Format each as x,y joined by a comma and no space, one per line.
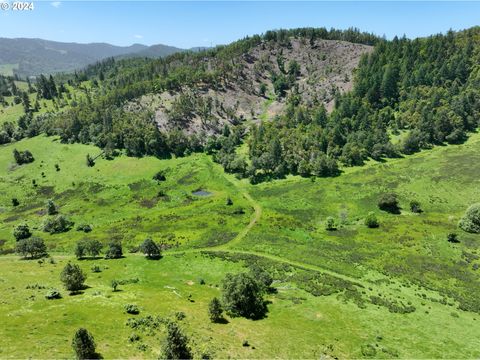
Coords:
222,321
154,257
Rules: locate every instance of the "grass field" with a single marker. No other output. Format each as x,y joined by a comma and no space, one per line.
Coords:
400,290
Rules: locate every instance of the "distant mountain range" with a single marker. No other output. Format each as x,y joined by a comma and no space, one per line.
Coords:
27,57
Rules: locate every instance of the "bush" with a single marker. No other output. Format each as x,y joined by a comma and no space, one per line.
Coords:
114,285
15,202
51,208
330,224
389,203
23,157
86,228
72,277
32,247
57,225
53,294
215,310
132,309
96,269
452,238
159,176
415,207
371,220
242,295
114,250
84,345
470,222
21,231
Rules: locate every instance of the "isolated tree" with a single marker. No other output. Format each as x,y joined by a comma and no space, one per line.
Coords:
21,231
215,310
51,207
242,295
80,249
114,250
389,203
470,222
84,345
72,277
150,249
176,344
33,247
371,220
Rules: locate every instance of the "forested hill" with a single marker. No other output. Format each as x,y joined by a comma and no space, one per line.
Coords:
27,57
293,95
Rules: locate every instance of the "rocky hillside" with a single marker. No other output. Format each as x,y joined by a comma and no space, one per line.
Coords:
258,87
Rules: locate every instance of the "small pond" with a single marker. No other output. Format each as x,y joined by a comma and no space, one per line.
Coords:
201,193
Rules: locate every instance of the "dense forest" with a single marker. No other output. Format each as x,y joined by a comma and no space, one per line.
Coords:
422,92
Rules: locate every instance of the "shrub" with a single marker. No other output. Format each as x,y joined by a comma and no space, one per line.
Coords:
15,202
86,228
84,345
21,231
330,224
229,202
371,220
415,207
114,250
72,277
453,238
132,309
96,269
114,284
51,208
242,295
150,249
53,294
215,310
90,161
180,315
389,203
56,225
23,157
32,247
159,176
470,222
176,344
134,337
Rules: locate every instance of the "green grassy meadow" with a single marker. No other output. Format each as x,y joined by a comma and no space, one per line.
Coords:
398,291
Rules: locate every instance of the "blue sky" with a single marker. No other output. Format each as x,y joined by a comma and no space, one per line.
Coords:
187,24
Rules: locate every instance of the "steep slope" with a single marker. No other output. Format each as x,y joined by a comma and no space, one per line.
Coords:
317,71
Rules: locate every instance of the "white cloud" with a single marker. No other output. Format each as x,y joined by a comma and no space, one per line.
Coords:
56,4
138,36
